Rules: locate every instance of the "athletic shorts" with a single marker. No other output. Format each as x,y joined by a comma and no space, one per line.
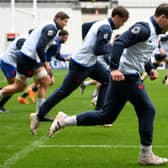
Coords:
8,70
26,65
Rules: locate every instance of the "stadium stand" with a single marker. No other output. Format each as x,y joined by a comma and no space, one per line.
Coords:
26,17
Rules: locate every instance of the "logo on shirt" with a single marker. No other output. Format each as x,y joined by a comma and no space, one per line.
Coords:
50,33
135,30
140,86
105,36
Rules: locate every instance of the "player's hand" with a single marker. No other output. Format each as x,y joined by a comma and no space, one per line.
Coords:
153,74
162,51
117,75
52,80
47,67
67,58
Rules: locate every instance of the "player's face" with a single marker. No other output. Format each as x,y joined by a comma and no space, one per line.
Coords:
63,39
119,21
164,23
62,23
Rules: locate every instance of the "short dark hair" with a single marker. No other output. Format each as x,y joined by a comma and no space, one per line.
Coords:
162,9
61,15
120,11
63,33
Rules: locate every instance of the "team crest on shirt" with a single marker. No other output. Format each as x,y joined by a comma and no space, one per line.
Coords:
105,36
50,33
135,30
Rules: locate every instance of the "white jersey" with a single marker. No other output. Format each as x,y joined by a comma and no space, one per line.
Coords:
29,47
135,57
9,56
85,55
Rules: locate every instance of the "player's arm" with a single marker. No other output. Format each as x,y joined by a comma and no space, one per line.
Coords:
164,38
47,34
20,43
151,70
139,32
102,45
58,53
63,57
55,51
163,53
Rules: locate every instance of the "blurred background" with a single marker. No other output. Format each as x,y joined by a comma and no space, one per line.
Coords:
18,16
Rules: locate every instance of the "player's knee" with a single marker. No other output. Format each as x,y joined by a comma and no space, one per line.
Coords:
42,78
45,81
52,81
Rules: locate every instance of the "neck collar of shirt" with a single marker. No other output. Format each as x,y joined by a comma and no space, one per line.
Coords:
57,39
57,26
156,26
111,24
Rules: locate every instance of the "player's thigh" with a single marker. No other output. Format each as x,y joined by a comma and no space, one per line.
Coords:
41,76
20,82
100,73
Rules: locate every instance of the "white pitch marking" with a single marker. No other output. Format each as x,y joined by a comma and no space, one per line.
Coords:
97,146
22,153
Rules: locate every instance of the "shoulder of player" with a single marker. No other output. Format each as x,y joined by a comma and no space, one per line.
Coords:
49,30
141,28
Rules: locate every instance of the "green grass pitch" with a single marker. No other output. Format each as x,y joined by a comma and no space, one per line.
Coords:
79,147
